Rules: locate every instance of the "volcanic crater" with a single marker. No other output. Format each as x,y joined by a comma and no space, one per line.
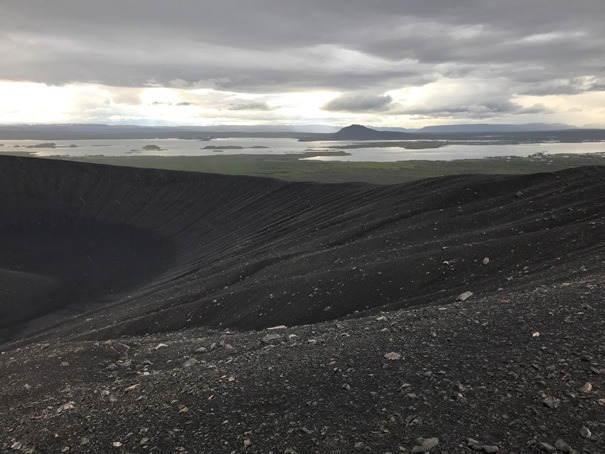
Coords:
92,253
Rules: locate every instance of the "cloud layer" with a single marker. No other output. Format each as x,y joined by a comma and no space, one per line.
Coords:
430,59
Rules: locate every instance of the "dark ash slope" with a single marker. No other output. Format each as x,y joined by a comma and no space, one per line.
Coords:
187,250
188,260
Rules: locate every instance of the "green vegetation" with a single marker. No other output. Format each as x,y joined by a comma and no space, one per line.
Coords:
290,167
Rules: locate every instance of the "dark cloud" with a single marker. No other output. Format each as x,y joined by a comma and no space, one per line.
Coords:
535,109
565,86
250,105
359,102
542,47
474,111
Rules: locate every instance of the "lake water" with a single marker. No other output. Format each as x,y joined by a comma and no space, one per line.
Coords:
231,146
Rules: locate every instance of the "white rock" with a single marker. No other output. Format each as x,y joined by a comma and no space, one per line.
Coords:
464,296
273,328
392,356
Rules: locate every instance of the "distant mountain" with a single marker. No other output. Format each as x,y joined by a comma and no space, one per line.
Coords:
394,129
534,131
359,132
486,128
100,131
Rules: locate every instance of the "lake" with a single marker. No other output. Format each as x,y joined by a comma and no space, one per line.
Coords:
238,146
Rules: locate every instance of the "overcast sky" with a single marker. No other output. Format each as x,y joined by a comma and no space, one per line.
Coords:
377,62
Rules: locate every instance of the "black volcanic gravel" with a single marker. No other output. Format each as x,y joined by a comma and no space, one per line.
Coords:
378,355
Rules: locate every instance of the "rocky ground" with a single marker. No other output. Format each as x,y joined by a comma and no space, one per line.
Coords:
447,316
515,372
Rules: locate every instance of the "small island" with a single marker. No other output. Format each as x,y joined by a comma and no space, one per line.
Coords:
152,147
225,147
43,145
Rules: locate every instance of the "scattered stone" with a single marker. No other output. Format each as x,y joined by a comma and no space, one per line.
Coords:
117,444
346,387
562,446
476,445
551,402
601,401
585,432
190,362
546,447
392,356
160,345
464,296
247,442
271,337
586,388
458,396
425,444
486,260
307,431
272,328
133,387
66,406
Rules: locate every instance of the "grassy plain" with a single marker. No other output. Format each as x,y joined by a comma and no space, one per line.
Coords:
292,168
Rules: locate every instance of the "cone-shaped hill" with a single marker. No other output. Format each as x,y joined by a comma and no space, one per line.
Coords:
359,132
119,251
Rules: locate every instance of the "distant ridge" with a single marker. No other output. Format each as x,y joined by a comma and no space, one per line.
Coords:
485,128
359,132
